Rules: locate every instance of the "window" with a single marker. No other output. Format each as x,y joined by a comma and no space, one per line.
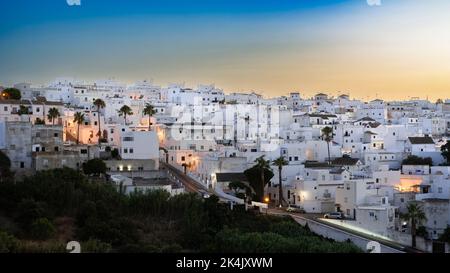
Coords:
55,134
83,151
128,139
43,149
56,149
125,151
131,151
402,200
183,158
22,165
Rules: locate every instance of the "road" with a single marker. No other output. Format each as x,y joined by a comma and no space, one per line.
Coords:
317,218
189,184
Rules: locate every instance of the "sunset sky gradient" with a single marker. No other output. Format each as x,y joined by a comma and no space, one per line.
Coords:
398,50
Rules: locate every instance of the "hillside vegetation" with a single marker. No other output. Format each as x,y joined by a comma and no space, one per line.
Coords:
43,212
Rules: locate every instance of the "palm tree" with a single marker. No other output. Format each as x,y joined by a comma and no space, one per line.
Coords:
23,110
262,165
327,135
125,111
53,113
100,104
415,215
149,110
78,118
280,162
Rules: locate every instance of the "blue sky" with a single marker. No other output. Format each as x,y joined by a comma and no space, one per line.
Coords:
265,45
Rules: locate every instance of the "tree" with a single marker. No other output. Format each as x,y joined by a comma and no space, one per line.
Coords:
78,118
439,101
236,186
241,185
8,243
445,237
11,94
125,111
422,232
280,162
415,215
23,110
5,165
42,229
415,160
53,113
39,121
29,210
327,135
94,166
115,153
149,110
445,151
100,104
258,176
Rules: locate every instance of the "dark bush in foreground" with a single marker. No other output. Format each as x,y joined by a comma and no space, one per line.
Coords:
104,220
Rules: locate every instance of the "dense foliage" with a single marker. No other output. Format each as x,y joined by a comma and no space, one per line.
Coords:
257,183
94,167
445,150
415,160
5,165
445,237
11,93
45,211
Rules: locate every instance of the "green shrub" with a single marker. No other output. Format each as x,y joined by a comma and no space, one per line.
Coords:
42,229
8,243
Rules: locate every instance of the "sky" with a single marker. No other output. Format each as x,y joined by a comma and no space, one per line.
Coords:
389,49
